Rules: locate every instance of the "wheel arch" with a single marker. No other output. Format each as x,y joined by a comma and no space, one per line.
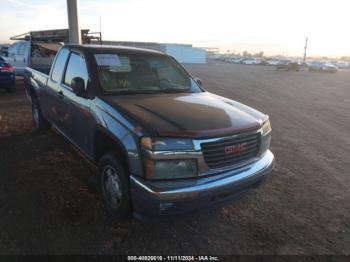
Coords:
104,141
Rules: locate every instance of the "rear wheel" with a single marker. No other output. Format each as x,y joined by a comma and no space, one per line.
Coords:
114,186
40,123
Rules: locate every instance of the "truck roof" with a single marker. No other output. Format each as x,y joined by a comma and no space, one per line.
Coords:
113,48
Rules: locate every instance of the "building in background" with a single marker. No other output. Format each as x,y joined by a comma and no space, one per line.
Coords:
184,53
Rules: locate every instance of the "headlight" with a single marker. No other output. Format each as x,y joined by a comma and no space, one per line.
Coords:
171,169
163,158
266,137
166,144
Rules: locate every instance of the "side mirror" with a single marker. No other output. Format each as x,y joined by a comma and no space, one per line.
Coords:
78,86
198,81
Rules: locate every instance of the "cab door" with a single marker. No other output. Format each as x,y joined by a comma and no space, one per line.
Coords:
51,95
76,119
22,57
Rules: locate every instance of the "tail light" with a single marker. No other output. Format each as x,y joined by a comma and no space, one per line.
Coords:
6,68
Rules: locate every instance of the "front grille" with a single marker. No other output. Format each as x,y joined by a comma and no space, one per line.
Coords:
231,151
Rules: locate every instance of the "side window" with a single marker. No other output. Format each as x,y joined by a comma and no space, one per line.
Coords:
13,49
76,68
21,49
59,65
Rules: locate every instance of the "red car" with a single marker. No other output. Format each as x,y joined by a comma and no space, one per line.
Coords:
7,76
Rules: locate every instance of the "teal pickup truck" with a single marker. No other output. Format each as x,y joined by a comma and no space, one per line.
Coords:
163,145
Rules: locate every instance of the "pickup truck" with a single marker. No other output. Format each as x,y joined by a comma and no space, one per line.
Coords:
162,145
38,48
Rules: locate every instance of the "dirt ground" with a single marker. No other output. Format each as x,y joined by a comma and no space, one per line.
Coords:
49,204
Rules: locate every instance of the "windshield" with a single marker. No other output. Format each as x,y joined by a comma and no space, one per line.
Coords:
142,73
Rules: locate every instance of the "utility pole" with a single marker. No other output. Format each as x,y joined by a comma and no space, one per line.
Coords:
305,49
73,22
101,30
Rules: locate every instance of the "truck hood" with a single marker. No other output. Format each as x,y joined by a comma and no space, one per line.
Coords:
192,115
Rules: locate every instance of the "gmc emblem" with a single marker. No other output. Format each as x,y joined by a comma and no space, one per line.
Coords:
235,148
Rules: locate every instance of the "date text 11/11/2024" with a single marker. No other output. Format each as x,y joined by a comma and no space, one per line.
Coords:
173,258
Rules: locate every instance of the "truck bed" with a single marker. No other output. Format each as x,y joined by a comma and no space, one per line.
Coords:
36,78
44,70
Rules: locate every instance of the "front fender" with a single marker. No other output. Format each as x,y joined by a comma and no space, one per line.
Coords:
122,131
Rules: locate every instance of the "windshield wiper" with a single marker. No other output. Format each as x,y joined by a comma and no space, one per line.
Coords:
175,90
133,92
150,91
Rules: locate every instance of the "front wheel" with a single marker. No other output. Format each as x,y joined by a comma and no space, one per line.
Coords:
114,186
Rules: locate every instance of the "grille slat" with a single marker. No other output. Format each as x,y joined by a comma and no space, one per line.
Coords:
215,156
229,141
228,162
224,157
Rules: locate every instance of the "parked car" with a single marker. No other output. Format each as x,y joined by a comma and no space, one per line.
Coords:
7,76
163,145
251,61
283,62
236,60
4,51
272,62
263,61
288,65
322,67
228,59
342,65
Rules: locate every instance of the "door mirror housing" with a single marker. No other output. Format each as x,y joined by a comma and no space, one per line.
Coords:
198,81
78,86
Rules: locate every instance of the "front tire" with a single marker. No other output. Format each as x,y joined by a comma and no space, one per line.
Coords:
114,186
40,123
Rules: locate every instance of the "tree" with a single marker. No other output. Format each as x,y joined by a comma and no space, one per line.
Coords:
246,53
260,54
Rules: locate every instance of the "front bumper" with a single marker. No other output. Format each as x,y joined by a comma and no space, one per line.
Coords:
166,198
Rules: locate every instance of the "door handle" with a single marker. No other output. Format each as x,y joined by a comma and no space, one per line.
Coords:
60,94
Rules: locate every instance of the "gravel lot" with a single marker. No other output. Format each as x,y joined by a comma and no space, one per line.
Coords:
49,204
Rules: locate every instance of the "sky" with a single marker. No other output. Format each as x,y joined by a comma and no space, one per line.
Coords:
272,26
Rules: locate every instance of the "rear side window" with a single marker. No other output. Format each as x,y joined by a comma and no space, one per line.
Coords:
13,49
76,68
59,65
22,48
